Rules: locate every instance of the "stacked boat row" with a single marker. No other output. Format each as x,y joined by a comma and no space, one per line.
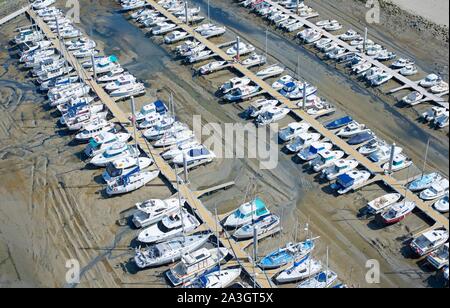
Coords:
374,75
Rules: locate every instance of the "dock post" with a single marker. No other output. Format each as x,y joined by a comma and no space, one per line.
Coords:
186,12
238,45
255,252
94,70
186,180
365,41
391,158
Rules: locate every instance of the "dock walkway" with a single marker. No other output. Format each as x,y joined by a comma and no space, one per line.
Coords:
14,15
316,125
166,170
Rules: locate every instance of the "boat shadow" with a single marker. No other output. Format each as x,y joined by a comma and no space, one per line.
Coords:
376,224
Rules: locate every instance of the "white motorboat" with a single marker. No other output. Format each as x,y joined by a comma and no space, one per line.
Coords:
439,88
326,22
381,79
442,121
112,75
131,182
123,166
313,150
371,147
115,152
91,130
433,113
386,55
163,27
243,49
271,71
263,225
293,130
302,141
350,35
246,213
442,204
282,82
213,31
398,212
216,279
174,138
439,258
400,162
429,241
372,73
325,159
58,82
70,33
300,269
175,36
335,53
409,70
321,280
273,114
362,67
85,52
163,128
170,251
430,81
296,90
384,153
380,204
120,82
412,98
151,110
42,4
154,210
322,43
81,121
211,67
401,63
131,89
104,140
169,227
254,60
241,93
194,264
339,167
437,190
199,56
234,83
194,155
333,26
374,50
350,180
352,129
180,148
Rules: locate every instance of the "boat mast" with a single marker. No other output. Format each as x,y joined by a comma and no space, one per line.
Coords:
426,157
133,121
326,272
217,234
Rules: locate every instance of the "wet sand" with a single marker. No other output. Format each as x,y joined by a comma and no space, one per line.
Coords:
54,210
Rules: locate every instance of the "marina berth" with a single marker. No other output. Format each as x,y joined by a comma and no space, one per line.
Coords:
123,166
246,213
154,210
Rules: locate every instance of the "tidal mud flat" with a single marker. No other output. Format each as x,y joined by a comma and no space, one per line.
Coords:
54,209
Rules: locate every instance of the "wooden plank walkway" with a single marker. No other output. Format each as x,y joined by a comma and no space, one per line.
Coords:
14,15
400,78
167,172
316,125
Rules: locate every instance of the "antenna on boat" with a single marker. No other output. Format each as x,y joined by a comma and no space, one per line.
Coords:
304,96
426,157
365,41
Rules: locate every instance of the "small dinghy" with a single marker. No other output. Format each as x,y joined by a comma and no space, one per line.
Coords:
301,269
380,204
293,130
287,254
429,241
398,212
169,227
340,167
216,279
313,150
437,190
322,280
442,204
424,182
131,182
263,225
154,210
247,212
194,264
170,251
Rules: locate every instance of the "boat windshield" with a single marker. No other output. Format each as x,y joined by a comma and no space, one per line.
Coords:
113,171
